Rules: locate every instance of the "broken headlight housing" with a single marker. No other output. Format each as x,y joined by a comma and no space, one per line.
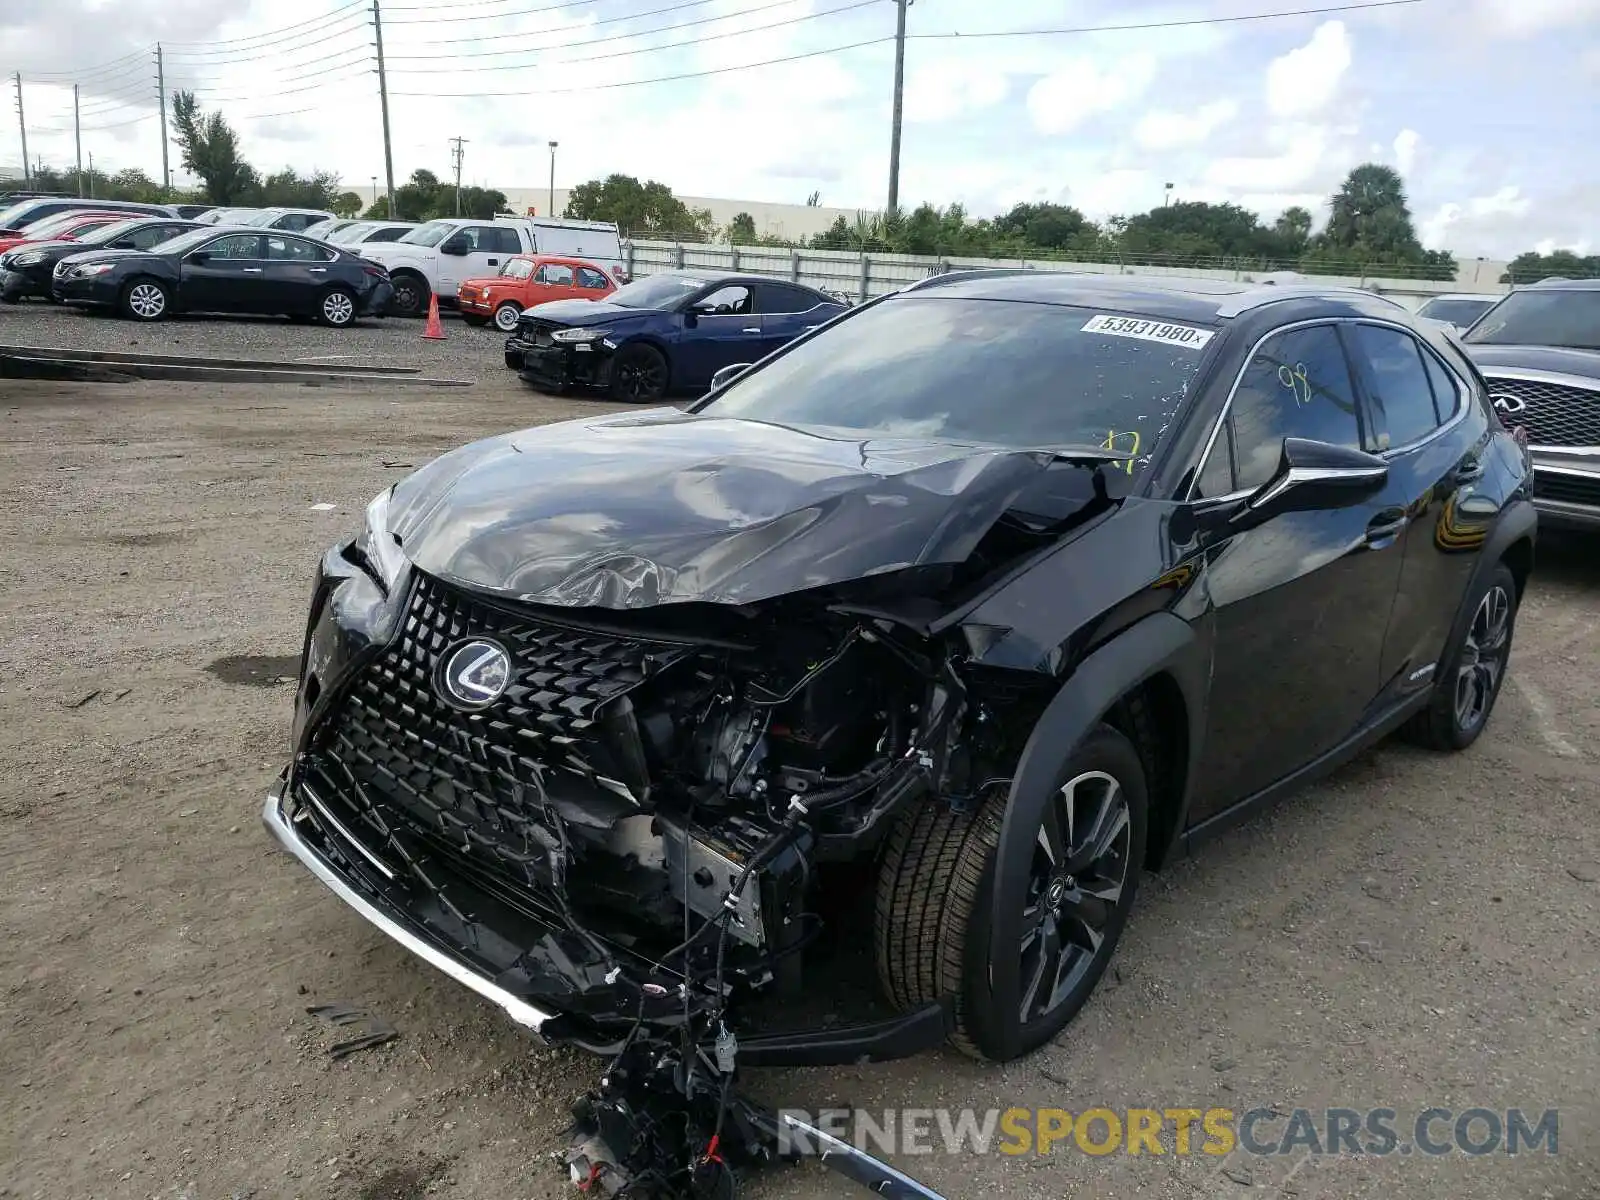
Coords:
378,548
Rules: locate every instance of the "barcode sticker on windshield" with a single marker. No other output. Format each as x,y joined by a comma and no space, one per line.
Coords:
1150,331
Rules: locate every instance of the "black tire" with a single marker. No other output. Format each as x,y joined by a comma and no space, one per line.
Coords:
474,321
411,294
336,308
1474,670
935,891
513,361
639,374
145,299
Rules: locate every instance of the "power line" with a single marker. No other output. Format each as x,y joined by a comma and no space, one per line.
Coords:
361,59
305,39
265,33
699,41
563,6
615,37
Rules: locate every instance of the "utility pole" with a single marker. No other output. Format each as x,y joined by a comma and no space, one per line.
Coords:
458,153
899,95
383,101
91,174
22,124
77,137
161,93
552,210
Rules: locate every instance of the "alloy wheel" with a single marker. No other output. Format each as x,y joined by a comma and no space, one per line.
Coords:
338,308
641,380
1483,658
147,301
1080,868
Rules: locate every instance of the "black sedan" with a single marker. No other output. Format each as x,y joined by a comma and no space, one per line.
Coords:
1005,588
212,270
671,332
28,269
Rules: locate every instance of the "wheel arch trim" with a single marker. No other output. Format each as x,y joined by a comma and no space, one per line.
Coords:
1159,644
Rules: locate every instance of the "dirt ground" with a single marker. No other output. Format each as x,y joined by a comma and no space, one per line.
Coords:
1418,930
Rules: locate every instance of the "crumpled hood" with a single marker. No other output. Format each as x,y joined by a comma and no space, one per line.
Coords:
587,312
663,507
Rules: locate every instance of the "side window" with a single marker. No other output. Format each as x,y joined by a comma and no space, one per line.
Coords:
236,245
287,249
1446,391
1216,477
558,274
143,239
1400,382
776,298
729,301
507,242
1297,385
588,277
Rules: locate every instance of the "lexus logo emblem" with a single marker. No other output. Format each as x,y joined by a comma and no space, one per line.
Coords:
1506,402
474,674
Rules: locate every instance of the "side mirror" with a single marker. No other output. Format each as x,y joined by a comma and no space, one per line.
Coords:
200,257
455,244
122,244
1313,475
727,375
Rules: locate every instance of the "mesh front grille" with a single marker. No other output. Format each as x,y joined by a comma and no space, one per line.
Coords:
1553,414
1567,489
480,781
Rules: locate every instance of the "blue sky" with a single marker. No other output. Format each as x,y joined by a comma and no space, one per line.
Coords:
1486,106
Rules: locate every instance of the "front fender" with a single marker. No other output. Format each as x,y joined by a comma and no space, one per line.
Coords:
1160,643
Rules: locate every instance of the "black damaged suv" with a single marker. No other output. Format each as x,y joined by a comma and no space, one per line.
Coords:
1005,588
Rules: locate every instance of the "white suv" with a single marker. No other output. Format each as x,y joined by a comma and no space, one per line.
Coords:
436,258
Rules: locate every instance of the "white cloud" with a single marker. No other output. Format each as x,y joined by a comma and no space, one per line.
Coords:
1063,100
1405,150
1525,18
1297,162
1304,81
946,90
1434,231
1550,246
1165,130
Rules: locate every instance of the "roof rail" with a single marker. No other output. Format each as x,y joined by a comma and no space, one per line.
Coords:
1273,293
958,274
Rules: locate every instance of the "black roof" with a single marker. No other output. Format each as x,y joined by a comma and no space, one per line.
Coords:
1559,283
1172,297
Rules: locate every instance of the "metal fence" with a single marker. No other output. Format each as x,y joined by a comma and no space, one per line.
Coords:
864,275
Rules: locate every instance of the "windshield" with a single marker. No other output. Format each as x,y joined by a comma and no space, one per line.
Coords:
350,233
517,268
1456,312
1542,317
59,222
108,233
996,372
233,216
10,216
658,291
430,234
185,242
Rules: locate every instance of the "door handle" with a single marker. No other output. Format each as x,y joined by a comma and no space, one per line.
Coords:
494,262
1386,527
319,270
809,328
757,329
252,270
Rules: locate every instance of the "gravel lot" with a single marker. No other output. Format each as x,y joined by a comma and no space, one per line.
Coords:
1418,930
466,353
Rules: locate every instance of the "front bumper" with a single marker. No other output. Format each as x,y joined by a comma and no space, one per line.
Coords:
17,282
584,364
97,290
300,830
1566,487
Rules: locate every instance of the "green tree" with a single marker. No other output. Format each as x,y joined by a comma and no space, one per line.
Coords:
1370,229
1048,226
346,204
1530,267
642,209
742,230
1193,230
1292,230
210,148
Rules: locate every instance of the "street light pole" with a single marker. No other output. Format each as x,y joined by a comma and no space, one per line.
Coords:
899,95
552,209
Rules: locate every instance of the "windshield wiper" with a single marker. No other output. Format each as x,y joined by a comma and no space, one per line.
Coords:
1084,455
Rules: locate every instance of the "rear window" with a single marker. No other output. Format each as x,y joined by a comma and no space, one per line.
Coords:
994,372
1456,312
1542,317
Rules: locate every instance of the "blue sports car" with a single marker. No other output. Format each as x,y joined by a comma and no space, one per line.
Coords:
666,333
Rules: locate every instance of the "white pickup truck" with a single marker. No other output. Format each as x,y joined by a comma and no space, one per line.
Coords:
435,258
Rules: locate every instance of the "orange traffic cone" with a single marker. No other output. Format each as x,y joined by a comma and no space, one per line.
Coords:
433,329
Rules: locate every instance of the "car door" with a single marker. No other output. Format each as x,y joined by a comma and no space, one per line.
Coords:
1435,441
488,247
218,276
1299,605
296,275
554,281
786,313
593,284
720,328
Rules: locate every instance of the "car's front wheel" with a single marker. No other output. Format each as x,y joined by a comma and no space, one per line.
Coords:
506,317
934,908
639,374
1468,681
145,300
